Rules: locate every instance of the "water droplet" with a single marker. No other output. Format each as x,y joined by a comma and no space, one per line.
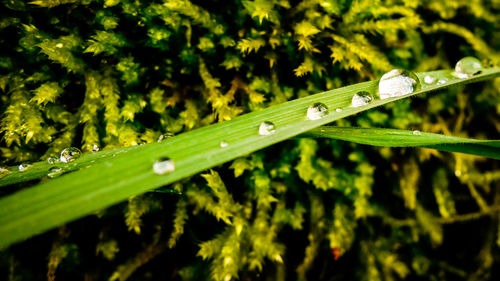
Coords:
95,148
165,136
442,81
338,109
467,67
3,172
361,98
59,45
24,166
397,82
52,160
417,133
163,166
223,144
54,172
70,154
266,128
317,111
429,79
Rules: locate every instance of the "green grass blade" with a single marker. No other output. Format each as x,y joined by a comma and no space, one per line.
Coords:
114,179
405,138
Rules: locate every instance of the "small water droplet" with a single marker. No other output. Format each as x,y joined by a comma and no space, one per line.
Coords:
165,136
417,133
3,172
429,79
361,98
52,160
442,81
59,45
223,144
70,154
338,109
468,67
317,111
397,82
163,166
266,128
24,166
54,172
95,148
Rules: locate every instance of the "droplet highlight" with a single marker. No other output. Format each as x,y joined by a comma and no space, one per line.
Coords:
24,167
338,109
267,128
429,79
70,154
165,136
317,111
468,67
442,81
397,82
361,98
95,148
163,166
223,144
417,133
54,172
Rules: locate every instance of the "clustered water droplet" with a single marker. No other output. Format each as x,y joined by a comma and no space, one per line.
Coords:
52,160
266,128
317,111
54,172
429,79
165,136
70,154
223,144
163,166
3,172
397,82
361,98
24,167
468,67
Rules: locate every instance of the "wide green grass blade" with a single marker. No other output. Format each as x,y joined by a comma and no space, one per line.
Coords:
113,179
404,138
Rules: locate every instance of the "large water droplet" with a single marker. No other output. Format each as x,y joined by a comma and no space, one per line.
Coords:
429,79
24,166
223,144
361,98
165,136
397,82
467,67
266,128
70,154
3,172
52,160
54,172
163,166
317,111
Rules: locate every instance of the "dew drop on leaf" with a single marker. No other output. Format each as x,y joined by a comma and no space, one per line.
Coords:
3,172
266,128
24,166
417,133
54,172
70,154
467,67
52,160
317,111
429,79
223,144
95,148
442,81
163,166
397,82
361,98
338,109
165,136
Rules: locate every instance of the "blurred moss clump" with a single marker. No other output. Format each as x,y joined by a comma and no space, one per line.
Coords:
118,73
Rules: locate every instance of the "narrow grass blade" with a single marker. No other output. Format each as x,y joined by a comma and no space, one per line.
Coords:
114,179
404,138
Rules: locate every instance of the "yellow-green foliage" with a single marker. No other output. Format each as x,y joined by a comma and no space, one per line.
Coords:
117,73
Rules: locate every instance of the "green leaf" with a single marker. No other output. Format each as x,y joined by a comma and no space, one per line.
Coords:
404,138
113,179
